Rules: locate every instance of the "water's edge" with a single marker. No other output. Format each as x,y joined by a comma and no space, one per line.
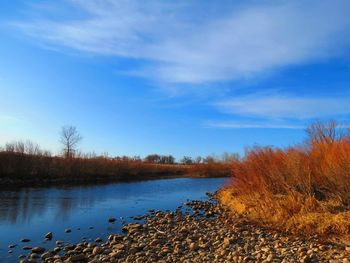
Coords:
31,212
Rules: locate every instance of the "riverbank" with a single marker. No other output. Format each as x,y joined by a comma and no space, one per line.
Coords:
22,170
201,231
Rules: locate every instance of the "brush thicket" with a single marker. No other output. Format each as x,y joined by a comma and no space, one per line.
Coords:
304,189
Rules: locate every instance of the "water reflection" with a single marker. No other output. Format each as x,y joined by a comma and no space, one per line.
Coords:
31,212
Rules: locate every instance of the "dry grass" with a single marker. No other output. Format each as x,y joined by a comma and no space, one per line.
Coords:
303,189
37,167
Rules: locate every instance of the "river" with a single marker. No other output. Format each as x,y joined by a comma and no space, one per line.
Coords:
32,212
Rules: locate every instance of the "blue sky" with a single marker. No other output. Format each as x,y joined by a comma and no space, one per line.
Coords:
172,77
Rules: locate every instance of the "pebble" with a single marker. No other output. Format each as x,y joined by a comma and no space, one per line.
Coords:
180,236
111,220
49,236
98,240
26,248
38,250
97,250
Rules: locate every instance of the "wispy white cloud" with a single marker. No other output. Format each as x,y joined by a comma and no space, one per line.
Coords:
283,107
252,125
181,46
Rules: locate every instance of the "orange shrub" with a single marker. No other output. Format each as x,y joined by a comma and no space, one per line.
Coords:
301,189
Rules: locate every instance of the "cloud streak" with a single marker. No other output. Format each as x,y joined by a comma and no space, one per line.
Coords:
252,125
278,107
179,43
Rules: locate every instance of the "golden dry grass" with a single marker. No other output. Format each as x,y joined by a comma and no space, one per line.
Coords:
304,189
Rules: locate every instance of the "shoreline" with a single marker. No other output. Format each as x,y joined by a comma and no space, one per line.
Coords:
15,184
199,231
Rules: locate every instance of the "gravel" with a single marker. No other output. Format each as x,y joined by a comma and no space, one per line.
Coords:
206,234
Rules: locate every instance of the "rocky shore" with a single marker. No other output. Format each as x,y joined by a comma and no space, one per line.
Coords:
205,234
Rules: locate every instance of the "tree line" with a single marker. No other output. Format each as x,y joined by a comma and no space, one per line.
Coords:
69,139
26,163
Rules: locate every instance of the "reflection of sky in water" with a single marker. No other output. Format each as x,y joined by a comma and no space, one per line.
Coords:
32,212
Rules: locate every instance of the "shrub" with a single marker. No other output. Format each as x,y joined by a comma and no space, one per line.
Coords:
304,189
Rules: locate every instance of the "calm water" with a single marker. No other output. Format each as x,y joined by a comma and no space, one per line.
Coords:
32,212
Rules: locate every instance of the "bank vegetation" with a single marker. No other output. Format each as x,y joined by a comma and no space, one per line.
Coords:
303,188
25,163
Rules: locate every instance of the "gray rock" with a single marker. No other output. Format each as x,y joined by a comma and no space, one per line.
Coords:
49,236
97,250
78,257
38,250
26,248
46,255
111,220
98,240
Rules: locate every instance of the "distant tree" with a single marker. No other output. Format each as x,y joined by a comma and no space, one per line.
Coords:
323,132
186,160
229,157
167,159
153,158
136,158
198,159
10,147
25,147
170,159
69,138
209,159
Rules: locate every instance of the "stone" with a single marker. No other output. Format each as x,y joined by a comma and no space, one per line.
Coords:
98,240
26,248
116,254
59,242
97,250
38,250
119,246
154,242
188,236
46,255
193,246
306,259
78,257
111,220
227,241
34,255
270,257
87,250
69,247
49,236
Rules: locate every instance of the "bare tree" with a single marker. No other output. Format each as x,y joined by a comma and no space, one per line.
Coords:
323,132
186,160
153,158
69,138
